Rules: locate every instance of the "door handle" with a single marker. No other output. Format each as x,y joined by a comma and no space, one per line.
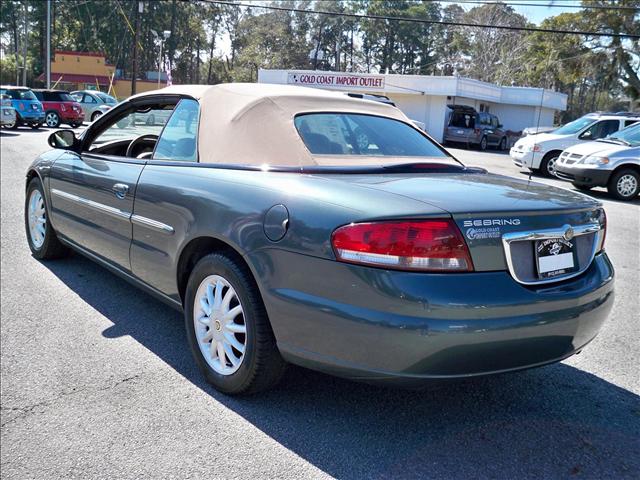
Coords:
120,190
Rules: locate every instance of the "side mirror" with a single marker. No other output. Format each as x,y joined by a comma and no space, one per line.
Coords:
586,135
63,139
500,125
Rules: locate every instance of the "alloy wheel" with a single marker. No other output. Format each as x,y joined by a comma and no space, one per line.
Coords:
52,120
219,325
551,166
37,219
627,185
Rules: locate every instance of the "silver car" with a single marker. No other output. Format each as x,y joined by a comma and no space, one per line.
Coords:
612,162
94,103
8,117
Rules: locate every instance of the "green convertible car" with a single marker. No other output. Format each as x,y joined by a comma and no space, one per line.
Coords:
303,226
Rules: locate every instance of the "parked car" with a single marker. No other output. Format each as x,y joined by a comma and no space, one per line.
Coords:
540,152
28,108
94,103
59,107
477,129
362,255
612,162
8,117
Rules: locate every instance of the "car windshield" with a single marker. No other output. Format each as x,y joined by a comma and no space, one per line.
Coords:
21,94
575,126
106,98
349,134
629,135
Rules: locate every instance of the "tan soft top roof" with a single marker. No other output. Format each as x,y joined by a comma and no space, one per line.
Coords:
252,123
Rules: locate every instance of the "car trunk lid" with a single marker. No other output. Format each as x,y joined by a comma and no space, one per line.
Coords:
488,207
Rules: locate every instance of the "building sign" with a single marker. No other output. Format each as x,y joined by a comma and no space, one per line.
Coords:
337,80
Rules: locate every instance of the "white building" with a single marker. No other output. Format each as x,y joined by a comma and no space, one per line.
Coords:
425,98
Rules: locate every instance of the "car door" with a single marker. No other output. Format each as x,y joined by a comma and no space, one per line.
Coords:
163,206
92,193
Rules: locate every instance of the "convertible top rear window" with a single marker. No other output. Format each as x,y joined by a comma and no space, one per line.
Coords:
364,135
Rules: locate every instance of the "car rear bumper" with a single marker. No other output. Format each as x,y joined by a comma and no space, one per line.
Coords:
31,117
407,328
592,177
72,117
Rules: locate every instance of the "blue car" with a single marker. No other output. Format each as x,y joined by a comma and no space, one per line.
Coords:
28,108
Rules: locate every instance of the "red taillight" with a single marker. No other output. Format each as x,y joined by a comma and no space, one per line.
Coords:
425,245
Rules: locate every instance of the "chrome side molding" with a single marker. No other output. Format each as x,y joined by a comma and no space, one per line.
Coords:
101,207
115,212
148,222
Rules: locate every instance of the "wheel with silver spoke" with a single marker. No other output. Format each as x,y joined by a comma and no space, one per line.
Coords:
227,326
219,325
42,239
37,218
52,119
624,184
548,164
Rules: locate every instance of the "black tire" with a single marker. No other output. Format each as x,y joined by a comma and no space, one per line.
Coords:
503,144
584,188
36,126
95,115
625,177
51,247
76,125
482,146
52,119
262,366
547,166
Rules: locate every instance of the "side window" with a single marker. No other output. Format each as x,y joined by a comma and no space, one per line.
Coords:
494,121
178,140
630,122
600,129
147,121
89,99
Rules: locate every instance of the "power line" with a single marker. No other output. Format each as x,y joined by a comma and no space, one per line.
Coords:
422,21
543,5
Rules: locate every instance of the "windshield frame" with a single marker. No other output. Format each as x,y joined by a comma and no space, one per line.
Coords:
373,166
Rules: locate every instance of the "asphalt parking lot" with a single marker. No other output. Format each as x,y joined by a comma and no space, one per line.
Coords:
97,382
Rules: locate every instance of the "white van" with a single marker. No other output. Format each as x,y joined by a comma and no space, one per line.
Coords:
540,152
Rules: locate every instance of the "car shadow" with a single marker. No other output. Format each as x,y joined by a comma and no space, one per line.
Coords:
4,133
556,421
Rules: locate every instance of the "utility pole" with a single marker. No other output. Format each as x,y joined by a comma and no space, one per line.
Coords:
134,75
48,48
24,49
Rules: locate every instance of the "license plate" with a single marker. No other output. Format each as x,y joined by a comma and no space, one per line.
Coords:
555,256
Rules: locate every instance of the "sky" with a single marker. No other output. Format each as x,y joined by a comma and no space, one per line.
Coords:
546,8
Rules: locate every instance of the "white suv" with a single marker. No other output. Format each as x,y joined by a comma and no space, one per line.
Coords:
540,152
